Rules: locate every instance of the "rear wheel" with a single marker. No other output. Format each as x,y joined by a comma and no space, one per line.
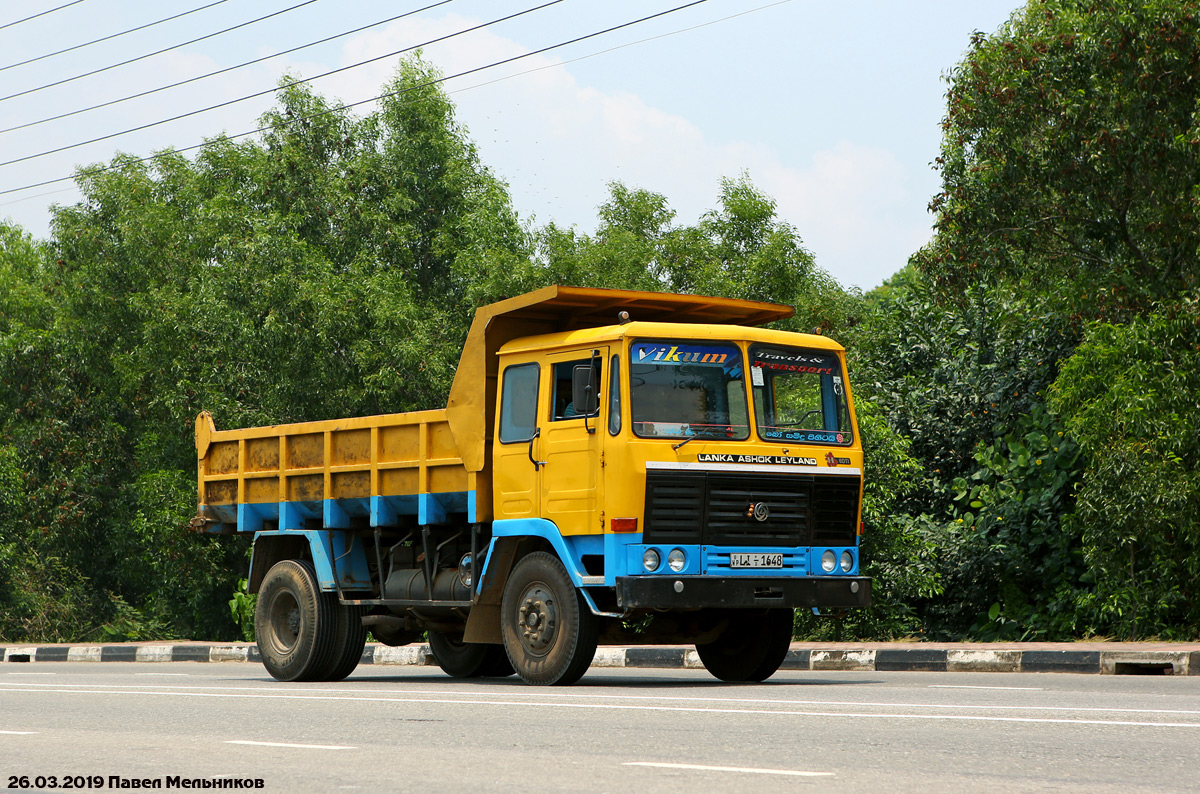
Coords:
751,648
496,663
349,639
468,659
294,623
549,632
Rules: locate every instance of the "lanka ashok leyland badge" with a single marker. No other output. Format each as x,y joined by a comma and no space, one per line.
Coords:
782,460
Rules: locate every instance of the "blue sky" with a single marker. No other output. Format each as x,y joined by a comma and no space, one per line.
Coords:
832,109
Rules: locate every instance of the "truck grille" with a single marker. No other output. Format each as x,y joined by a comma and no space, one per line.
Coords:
712,508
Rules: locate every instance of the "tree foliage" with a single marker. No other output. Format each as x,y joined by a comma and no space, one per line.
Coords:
326,270
1071,156
740,250
1071,178
966,383
1130,395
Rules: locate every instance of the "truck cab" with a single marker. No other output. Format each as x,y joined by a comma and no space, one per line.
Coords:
713,472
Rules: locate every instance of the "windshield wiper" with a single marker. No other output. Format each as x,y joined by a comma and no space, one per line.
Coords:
701,434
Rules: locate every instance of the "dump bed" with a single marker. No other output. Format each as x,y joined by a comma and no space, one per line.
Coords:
426,464
373,468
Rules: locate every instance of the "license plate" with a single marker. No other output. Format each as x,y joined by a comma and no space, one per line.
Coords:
755,560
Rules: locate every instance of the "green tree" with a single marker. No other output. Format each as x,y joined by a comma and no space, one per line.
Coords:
1071,176
1129,395
741,249
24,303
326,270
966,384
1071,156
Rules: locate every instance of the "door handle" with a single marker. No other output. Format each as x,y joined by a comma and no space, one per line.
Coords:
537,464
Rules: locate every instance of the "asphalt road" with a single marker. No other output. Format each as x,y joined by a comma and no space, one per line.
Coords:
619,730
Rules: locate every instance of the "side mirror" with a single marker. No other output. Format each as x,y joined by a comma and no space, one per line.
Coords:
583,390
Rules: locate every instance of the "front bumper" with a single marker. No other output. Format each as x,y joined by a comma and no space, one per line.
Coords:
697,592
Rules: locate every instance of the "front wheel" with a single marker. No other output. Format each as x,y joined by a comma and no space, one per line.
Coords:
294,623
549,632
467,659
751,647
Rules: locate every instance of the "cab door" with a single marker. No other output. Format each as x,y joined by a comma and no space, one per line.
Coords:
571,488
515,476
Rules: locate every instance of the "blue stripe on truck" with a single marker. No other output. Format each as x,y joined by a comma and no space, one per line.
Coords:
382,511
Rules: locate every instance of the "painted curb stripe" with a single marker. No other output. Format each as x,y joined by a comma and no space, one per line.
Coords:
857,659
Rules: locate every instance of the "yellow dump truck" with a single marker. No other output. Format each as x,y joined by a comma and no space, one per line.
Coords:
612,467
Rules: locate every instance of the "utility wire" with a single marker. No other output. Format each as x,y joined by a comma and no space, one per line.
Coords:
156,52
113,36
37,196
226,69
42,14
277,88
500,79
268,127
611,49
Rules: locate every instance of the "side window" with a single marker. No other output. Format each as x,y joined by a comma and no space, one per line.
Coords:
563,404
518,403
614,396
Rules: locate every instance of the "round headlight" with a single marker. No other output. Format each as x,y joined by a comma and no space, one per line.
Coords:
847,561
650,560
677,560
828,561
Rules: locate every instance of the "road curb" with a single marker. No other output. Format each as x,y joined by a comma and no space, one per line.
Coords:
1121,659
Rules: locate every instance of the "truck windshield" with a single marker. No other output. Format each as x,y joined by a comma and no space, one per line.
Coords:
687,389
799,395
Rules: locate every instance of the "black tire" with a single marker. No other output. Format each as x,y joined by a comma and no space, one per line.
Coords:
349,639
751,648
549,632
496,663
294,623
462,659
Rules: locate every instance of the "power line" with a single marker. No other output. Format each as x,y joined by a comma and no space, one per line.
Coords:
156,52
277,88
36,196
42,14
93,171
113,36
226,69
614,49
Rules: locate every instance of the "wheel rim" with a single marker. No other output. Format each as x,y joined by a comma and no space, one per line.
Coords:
537,617
285,620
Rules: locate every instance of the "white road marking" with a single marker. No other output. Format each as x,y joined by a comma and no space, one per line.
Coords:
423,694
18,733
185,675
631,707
742,769
32,674
1008,688
288,744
